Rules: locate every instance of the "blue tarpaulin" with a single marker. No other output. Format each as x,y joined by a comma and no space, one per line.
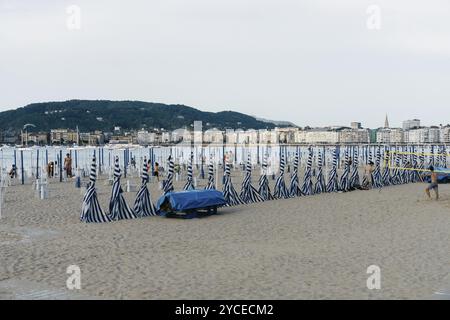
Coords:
192,199
443,175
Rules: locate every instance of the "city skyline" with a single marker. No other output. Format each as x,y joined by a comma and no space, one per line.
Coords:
387,123
313,63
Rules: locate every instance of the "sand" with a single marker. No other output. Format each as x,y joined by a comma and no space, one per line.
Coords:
316,247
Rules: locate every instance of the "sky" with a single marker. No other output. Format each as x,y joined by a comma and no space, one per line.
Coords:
311,62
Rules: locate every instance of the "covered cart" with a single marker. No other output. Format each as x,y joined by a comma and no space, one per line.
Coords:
190,204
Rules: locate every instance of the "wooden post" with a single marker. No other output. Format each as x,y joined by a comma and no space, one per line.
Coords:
21,167
60,166
37,164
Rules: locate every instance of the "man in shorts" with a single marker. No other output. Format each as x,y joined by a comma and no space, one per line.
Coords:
433,185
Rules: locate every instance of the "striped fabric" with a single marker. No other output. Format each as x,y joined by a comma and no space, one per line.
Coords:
354,177
264,189
229,193
91,212
168,185
396,175
211,183
294,189
280,190
377,178
344,183
190,182
307,186
386,176
404,162
415,175
431,159
249,194
320,182
332,185
444,151
143,206
443,157
118,207
421,164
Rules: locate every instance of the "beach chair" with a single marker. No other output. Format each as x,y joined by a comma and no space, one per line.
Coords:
190,204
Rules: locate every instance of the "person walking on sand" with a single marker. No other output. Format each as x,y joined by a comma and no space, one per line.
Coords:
68,165
156,171
13,172
433,184
50,169
368,176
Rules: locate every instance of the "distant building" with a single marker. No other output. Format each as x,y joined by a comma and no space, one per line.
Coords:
422,135
354,136
122,139
390,135
9,137
444,134
320,135
411,124
63,136
213,136
145,138
92,138
355,125
36,138
286,135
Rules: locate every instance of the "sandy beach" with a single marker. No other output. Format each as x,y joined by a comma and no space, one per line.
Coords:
316,247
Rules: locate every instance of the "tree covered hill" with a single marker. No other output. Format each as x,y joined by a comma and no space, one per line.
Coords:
90,115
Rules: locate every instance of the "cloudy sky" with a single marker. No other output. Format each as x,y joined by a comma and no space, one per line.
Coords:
313,62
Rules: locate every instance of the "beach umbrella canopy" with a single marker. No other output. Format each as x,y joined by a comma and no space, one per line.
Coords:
377,179
118,207
442,157
332,185
396,174
211,183
229,193
280,190
354,177
415,176
249,194
386,177
294,188
143,206
320,181
307,187
168,185
264,188
91,212
190,182
404,161
344,183
421,164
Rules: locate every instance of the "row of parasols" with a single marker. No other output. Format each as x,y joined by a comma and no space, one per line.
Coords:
406,169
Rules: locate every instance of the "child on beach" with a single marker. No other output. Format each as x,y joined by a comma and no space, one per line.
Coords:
433,185
156,172
13,172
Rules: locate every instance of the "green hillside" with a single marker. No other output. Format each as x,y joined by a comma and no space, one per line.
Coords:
105,115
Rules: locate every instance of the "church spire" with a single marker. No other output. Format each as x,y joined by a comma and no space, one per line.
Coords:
386,122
